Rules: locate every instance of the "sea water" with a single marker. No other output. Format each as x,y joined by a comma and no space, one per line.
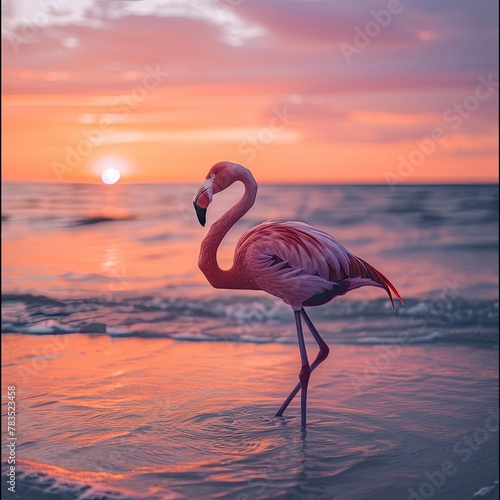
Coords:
135,379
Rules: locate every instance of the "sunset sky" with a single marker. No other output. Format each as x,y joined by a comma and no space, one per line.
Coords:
295,90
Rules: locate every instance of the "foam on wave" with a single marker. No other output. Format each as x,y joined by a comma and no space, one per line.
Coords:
249,319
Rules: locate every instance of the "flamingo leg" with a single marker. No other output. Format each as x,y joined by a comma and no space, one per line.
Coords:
305,371
322,355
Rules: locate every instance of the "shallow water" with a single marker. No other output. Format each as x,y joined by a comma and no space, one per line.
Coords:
158,418
136,380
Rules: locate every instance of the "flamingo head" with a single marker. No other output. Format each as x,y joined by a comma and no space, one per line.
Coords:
220,177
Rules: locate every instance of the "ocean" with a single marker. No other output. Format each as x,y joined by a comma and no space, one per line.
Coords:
136,380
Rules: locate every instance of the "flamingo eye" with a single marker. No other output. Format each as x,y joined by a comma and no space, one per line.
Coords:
212,176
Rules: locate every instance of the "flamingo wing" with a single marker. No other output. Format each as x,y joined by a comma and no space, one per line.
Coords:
303,265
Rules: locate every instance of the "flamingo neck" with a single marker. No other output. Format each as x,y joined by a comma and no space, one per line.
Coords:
207,262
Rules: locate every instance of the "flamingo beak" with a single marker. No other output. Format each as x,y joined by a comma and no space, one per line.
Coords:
202,199
201,213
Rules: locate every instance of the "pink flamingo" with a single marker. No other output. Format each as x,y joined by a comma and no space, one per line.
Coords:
290,260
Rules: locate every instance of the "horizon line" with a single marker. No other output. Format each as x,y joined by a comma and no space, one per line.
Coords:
319,183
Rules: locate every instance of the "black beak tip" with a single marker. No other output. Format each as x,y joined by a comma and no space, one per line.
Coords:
201,213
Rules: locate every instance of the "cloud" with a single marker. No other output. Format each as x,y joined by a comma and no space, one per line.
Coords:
298,47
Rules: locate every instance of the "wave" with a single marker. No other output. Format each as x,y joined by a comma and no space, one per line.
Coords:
251,319
98,219
47,482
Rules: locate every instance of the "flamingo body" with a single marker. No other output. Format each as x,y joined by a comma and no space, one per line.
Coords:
291,260
302,265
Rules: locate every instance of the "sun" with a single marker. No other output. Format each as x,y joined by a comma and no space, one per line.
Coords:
110,176
110,168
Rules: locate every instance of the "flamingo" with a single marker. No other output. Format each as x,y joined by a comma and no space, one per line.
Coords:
291,260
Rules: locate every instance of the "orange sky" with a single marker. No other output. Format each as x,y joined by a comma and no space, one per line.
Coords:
296,92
